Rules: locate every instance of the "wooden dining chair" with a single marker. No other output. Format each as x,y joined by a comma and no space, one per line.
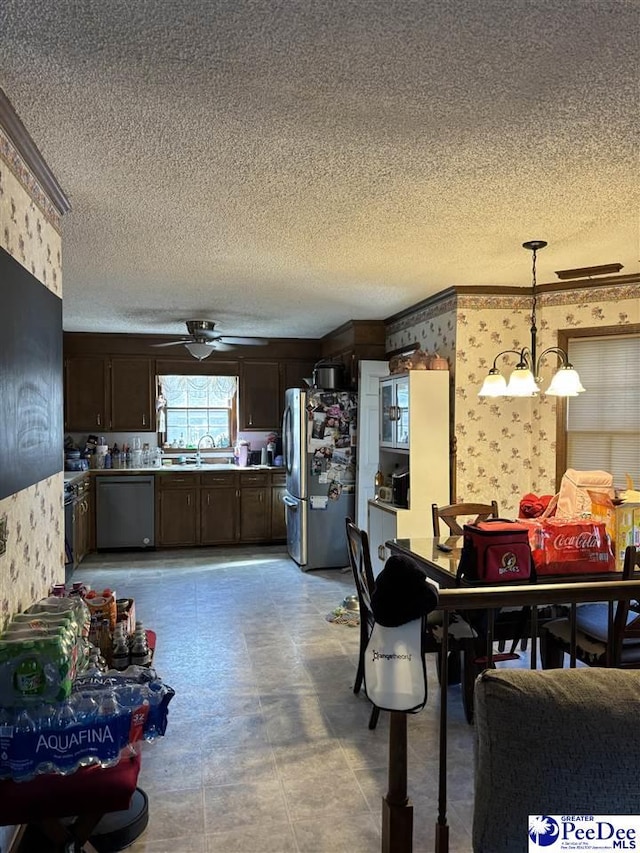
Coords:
465,654
600,640
360,560
469,511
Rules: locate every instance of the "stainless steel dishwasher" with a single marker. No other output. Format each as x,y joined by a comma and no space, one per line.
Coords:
125,511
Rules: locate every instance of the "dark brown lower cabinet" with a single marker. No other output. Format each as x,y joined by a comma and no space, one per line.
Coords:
255,507
83,521
218,510
178,517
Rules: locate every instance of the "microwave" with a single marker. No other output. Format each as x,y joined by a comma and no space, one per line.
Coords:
400,489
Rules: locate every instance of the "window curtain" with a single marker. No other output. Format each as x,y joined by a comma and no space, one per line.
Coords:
603,424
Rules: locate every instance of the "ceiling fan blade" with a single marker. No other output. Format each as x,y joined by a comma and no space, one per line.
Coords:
222,347
249,342
171,344
207,335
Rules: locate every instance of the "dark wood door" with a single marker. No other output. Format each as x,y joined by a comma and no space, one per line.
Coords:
278,514
219,515
255,518
85,394
259,395
132,404
178,517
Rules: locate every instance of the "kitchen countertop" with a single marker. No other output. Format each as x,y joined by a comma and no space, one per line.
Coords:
70,476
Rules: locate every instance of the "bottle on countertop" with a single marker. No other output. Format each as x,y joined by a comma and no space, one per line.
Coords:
271,450
378,481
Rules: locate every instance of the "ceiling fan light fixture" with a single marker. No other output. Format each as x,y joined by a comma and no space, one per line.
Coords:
199,350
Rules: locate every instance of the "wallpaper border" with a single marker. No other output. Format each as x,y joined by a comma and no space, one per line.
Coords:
15,162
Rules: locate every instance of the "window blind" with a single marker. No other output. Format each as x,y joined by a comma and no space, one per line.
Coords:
603,424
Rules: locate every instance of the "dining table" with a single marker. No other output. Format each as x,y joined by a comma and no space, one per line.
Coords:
438,557
509,620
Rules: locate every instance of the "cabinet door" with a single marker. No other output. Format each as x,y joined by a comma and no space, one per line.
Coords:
132,395
292,375
82,521
401,420
178,516
90,519
255,518
85,394
387,413
218,515
278,513
259,395
382,526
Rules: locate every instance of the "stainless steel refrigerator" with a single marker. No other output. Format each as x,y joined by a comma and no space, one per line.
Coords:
319,446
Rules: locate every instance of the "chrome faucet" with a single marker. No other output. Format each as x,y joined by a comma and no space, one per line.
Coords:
198,454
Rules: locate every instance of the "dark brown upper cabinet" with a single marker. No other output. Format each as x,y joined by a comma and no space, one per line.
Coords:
132,397
260,395
109,394
85,394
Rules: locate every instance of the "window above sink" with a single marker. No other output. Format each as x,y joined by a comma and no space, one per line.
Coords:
192,407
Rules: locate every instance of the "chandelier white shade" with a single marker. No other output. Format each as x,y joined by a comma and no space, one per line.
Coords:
524,380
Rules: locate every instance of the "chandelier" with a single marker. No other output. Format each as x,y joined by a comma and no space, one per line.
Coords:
525,377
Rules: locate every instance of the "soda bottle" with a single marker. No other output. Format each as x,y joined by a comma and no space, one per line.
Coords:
29,677
120,656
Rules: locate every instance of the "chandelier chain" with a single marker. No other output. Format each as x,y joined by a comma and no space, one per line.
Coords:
534,302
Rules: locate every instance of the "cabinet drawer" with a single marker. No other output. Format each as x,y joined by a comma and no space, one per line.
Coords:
254,479
222,479
278,478
177,481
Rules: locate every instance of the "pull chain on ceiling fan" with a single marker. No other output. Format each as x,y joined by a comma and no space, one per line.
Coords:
203,340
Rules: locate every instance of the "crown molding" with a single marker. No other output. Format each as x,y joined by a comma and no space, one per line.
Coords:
28,150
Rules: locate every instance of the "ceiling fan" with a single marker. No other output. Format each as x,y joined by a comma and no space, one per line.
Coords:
203,340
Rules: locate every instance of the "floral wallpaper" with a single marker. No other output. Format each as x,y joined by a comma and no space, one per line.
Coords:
34,556
506,447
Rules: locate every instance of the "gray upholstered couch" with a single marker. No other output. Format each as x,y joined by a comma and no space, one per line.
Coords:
555,742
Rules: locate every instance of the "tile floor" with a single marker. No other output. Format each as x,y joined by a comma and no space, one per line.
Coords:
267,748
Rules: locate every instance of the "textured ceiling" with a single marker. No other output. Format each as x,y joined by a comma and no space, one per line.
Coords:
287,165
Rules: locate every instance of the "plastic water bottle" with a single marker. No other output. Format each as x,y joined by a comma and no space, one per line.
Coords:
24,729
66,716
85,708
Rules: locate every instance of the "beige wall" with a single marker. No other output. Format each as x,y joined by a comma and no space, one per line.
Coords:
30,232
506,447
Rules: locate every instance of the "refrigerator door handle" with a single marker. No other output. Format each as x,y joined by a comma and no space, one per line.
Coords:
287,426
290,503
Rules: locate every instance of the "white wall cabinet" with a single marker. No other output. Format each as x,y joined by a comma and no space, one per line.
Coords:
415,437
